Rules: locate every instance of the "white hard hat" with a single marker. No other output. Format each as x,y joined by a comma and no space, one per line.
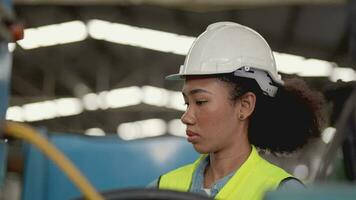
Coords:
226,47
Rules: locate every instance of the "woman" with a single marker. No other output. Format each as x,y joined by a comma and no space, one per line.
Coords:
236,102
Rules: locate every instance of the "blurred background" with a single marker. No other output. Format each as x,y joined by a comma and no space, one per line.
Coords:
90,74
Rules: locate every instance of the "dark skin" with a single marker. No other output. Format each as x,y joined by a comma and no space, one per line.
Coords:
217,125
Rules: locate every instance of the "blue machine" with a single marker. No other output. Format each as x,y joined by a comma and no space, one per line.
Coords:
108,162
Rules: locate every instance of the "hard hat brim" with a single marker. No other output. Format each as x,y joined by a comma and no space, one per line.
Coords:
175,77
180,77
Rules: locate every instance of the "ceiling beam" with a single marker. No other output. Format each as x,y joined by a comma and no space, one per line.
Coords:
24,86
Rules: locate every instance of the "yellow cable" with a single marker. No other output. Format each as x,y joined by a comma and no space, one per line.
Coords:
29,134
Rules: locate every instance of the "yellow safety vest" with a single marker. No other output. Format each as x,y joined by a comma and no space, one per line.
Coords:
250,182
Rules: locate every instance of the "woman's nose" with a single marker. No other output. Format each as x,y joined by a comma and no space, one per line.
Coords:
188,117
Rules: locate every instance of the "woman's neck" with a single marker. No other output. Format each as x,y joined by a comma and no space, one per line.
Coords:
226,161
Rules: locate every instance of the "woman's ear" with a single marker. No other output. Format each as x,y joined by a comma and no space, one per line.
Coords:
248,102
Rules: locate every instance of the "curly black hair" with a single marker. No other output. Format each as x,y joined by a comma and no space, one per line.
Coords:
284,123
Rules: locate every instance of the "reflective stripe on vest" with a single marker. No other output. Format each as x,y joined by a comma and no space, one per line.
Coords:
251,180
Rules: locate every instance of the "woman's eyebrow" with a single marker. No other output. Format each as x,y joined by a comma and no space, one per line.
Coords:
195,91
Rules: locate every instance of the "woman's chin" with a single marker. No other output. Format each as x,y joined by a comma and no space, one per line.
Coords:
201,149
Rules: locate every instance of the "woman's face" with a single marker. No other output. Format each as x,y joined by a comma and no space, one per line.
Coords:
211,117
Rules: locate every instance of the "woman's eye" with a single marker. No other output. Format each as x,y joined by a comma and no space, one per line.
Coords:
196,102
200,102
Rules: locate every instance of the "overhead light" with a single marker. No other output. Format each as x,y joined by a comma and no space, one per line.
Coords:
142,129
155,96
90,101
94,132
293,64
115,98
45,110
68,106
55,34
328,134
140,37
15,113
288,64
343,74
124,97
315,67
12,46
176,101
102,100
177,128
39,111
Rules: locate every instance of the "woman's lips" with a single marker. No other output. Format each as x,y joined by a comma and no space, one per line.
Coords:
192,136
